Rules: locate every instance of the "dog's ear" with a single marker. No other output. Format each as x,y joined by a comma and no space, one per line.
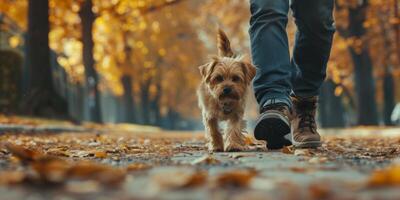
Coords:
224,46
207,69
203,69
249,71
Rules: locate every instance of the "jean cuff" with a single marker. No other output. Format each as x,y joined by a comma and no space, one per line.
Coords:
277,99
306,94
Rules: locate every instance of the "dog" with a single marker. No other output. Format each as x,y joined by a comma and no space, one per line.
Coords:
222,97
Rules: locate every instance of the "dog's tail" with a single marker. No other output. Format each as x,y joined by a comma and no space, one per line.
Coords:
224,46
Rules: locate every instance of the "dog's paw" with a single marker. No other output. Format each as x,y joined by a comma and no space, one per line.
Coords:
215,147
235,141
235,147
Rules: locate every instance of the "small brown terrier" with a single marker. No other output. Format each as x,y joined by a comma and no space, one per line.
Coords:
222,96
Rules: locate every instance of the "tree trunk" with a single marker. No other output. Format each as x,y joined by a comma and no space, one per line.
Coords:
331,109
365,88
38,45
145,101
388,81
156,101
87,17
388,97
367,113
42,99
397,27
127,82
129,101
155,104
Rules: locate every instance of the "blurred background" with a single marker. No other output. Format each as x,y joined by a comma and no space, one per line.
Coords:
135,61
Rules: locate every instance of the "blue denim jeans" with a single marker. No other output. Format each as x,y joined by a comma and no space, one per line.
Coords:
278,76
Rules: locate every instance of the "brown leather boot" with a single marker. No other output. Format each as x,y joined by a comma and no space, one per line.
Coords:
304,127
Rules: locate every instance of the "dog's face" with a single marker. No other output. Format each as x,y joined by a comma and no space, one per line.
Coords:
227,79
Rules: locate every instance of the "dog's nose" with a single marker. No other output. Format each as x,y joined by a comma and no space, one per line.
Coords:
227,90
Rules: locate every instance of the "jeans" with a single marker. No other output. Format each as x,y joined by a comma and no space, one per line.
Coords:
278,76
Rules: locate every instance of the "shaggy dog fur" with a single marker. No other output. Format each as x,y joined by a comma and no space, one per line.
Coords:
222,95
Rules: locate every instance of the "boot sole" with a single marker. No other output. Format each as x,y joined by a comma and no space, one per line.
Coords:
313,144
272,128
304,145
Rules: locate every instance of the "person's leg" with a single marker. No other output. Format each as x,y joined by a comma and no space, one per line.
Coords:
272,83
315,26
314,20
270,51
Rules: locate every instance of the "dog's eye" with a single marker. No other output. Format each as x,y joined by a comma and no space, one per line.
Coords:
219,78
236,79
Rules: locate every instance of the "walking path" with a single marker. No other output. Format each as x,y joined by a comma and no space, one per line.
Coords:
360,163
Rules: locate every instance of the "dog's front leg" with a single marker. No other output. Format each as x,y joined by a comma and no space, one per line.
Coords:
214,137
234,139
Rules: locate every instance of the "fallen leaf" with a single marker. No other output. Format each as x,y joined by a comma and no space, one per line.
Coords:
241,155
94,144
319,191
146,142
11,177
206,159
302,152
80,154
298,169
197,179
102,173
287,150
83,187
177,177
389,176
55,170
138,167
59,151
262,184
14,160
3,149
51,169
100,154
23,153
318,160
235,178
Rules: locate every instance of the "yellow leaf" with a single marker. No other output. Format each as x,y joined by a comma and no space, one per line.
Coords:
389,176
100,154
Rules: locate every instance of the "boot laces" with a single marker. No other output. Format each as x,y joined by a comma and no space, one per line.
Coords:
305,111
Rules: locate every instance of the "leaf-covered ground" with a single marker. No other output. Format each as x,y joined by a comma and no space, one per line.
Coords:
127,163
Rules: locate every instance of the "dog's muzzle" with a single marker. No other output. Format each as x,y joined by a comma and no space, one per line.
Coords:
227,107
229,93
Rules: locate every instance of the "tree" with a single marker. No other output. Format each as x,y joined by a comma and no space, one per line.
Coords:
42,99
389,96
388,85
396,24
87,17
129,101
367,113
